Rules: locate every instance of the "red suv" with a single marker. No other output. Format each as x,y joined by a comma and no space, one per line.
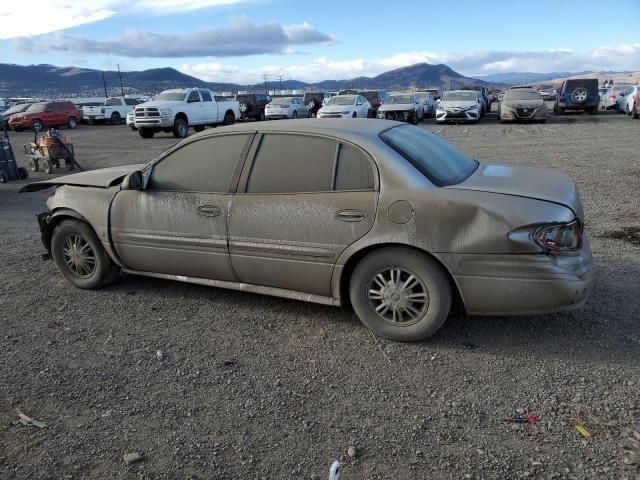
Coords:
43,115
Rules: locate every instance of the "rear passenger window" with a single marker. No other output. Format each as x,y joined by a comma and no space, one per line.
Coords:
205,165
292,163
354,170
206,96
131,101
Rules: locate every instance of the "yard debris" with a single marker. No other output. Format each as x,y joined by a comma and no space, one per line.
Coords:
334,471
29,421
130,458
352,452
522,419
583,431
160,354
631,448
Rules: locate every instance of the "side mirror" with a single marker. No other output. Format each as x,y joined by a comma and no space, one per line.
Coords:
133,181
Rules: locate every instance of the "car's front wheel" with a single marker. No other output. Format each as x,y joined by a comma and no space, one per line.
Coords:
72,123
180,128
80,257
400,293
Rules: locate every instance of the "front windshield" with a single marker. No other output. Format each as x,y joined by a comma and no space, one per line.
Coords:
460,97
342,100
522,95
36,107
438,160
400,99
170,97
16,109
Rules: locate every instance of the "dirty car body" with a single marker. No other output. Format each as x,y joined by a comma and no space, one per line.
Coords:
380,214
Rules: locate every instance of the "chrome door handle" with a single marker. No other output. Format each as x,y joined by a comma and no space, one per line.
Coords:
209,210
350,215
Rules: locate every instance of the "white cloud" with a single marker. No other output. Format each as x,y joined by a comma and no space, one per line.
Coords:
240,38
23,18
619,58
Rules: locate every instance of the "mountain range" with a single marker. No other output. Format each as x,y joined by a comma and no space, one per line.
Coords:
52,81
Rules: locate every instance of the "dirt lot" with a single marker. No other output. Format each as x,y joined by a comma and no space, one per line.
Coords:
206,383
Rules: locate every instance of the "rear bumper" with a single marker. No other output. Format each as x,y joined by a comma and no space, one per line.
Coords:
525,284
93,117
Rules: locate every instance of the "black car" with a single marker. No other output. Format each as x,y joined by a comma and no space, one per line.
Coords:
252,105
314,100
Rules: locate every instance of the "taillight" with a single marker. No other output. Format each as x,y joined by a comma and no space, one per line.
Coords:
561,236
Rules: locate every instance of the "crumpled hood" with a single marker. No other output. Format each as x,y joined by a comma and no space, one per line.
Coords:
336,108
101,178
524,103
523,181
457,104
395,107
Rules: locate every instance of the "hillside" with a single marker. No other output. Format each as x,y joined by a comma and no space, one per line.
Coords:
51,81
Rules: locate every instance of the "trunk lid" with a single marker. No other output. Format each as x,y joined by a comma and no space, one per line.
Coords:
523,181
101,178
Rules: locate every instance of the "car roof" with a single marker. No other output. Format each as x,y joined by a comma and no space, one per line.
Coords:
347,128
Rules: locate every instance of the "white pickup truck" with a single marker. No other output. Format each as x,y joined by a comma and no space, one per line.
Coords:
178,109
114,110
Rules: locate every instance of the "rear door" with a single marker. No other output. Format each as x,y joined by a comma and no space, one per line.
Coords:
177,225
301,202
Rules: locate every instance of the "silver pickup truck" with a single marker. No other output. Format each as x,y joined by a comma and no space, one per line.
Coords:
175,111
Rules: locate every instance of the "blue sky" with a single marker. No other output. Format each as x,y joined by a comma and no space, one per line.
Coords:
240,40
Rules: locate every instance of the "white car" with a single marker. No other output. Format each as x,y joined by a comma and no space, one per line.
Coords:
429,104
113,110
610,98
286,107
459,106
401,106
626,100
345,106
131,119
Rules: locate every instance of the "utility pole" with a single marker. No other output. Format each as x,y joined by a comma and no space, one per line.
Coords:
121,87
280,77
104,84
266,90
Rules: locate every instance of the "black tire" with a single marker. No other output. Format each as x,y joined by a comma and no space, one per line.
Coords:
634,113
69,163
22,173
36,125
199,128
354,115
229,119
3,177
103,269
579,95
414,118
55,163
294,115
33,165
180,128
261,117
45,165
146,133
431,279
116,119
72,123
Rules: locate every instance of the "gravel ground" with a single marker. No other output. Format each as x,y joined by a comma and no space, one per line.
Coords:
204,383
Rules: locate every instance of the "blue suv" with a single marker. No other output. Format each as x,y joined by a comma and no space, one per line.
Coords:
578,94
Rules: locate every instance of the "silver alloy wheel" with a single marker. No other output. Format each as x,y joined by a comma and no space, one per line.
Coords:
79,256
580,95
243,107
398,296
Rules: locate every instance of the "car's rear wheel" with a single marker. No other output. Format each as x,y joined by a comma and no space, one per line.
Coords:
146,132
400,293
72,123
180,128
261,116
414,118
228,119
80,257
635,114
116,119
295,114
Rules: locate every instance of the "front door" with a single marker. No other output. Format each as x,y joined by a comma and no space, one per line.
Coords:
177,225
301,203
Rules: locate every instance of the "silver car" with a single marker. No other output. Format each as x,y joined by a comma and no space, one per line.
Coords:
378,214
286,107
459,106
